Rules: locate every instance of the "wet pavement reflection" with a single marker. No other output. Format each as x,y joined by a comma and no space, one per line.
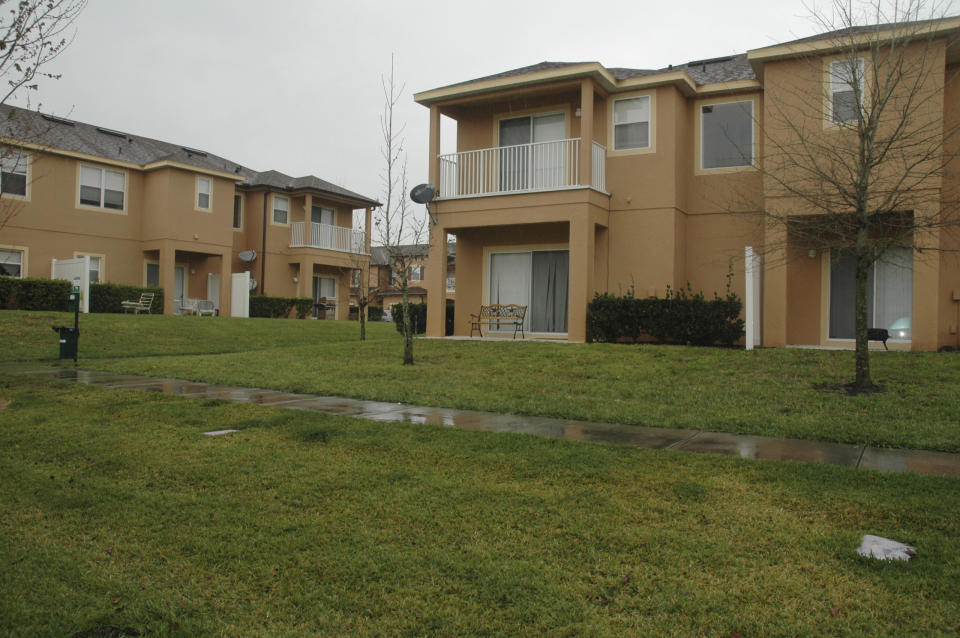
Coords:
744,446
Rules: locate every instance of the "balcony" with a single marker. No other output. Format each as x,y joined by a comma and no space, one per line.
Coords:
524,168
328,237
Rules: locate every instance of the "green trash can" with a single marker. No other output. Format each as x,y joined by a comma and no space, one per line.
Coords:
68,341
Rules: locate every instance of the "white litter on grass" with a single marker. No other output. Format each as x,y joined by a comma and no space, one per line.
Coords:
219,432
885,549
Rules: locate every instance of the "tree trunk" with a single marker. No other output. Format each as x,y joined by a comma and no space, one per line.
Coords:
407,328
362,308
864,260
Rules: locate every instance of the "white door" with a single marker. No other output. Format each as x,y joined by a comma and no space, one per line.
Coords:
510,282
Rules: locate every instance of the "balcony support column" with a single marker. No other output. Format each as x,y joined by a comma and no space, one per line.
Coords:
304,286
168,261
367,231
582,250
226,283
436,280
433,170
586,132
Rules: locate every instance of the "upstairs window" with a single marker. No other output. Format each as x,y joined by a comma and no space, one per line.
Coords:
102,187
631,123
281,210
237,212
846,90
13,172
726,134
416,273
203,193
11,263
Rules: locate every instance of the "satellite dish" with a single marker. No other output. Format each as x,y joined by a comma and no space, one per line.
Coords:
253,284
423,194
248,255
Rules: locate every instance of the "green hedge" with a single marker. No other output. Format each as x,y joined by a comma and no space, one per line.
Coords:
280,307
682,317
107,297
34,294
374,313
418,317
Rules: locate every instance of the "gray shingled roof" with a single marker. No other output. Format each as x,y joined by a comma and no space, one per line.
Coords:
847,32
99,141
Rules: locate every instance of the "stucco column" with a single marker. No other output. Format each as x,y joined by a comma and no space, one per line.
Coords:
343,294
305,285
308,218
167,263
433,153
226,284
586,131
927,296
582,246
436,280
774,286
367,230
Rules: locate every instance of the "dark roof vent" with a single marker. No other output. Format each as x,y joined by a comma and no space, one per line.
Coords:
110,131
58,120
193,151
703,63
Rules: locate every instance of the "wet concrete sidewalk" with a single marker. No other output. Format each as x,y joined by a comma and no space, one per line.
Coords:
744,446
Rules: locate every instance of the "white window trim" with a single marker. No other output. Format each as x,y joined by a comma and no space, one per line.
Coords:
101,263
101,208
24,258
196,195
614,123
273,209
29,170
754,138
651,129
414,269
828,78
241,198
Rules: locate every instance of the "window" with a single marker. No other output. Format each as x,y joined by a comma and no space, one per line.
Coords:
281,209
416,273
237,212
11,263
355,278
101,187
13,173
889,294
321,215
846,90
203,193
631,123
94,267
153,275
726,134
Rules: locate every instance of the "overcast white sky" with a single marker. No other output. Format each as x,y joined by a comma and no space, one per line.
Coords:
294,85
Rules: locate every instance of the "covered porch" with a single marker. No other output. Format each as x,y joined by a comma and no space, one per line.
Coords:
191,271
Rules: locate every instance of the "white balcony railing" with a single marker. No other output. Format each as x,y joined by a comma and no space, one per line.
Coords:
524,168
345,240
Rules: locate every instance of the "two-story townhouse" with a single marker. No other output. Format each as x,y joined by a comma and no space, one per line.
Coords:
382,283
572,179
153,213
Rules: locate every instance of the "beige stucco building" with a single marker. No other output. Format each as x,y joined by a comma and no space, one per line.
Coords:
572,179
154,213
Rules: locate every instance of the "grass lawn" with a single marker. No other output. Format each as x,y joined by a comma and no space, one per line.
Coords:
771,392
115,512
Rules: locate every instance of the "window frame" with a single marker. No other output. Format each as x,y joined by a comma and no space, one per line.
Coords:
237,197
23,259
100,264
103,177
651,147
416,273
198,193
6,154
699,168
615,124
273,210
831,86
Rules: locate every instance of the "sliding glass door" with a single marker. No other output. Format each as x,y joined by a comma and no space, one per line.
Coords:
889,294
533,156
538,280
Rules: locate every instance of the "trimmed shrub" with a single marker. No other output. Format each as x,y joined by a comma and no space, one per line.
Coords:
280,307
106,298
418,317
375,313
34,294
682,317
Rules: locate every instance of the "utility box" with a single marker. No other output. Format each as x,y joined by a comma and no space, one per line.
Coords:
73,305
68,341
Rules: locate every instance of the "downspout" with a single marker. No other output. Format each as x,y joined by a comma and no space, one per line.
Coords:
263,246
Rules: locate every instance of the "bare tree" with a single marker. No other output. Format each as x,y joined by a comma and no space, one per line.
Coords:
858,141
361,270
33,33
396,222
